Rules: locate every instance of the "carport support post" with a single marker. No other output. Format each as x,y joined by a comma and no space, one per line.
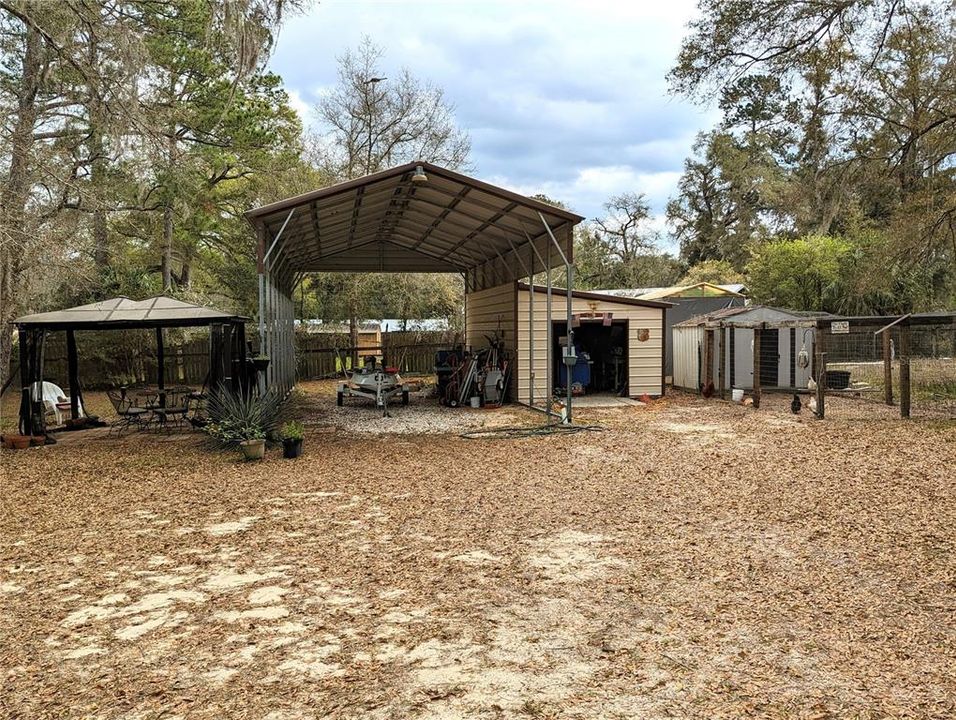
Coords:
568,348
887,368
550,320
74,375
531,333
758,331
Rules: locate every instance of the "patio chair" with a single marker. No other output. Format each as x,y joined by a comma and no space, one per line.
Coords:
129,415
173,413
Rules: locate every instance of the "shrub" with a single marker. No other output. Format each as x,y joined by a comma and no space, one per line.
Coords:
293,430
237,416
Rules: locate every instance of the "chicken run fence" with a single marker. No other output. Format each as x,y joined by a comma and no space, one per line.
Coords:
888,367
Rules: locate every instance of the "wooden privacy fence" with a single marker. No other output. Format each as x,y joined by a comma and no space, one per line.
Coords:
322,355
318,363
109,359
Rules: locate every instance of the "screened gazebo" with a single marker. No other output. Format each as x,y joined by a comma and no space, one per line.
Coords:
227,344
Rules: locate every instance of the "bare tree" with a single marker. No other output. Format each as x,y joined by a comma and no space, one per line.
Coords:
622,230
371,122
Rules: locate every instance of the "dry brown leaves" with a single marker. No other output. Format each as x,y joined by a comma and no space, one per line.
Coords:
694,560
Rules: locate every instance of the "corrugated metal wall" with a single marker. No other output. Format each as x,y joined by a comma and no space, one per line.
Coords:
645,357
687,345
490,312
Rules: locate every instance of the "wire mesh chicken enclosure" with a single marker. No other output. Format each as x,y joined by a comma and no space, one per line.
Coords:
878,367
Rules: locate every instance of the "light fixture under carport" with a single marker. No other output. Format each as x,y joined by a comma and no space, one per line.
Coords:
419,176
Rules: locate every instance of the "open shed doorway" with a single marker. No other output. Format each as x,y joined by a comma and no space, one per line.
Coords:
602,350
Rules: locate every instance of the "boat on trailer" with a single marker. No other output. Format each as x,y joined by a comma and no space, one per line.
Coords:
375,382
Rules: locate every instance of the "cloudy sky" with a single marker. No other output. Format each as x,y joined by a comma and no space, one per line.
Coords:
564,98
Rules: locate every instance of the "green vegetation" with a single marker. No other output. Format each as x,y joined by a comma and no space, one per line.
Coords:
293,430
238,416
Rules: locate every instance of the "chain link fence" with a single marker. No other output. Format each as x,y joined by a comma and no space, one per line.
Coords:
890,367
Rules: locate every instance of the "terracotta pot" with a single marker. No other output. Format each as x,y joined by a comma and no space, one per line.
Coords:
19,442
38,440
253,449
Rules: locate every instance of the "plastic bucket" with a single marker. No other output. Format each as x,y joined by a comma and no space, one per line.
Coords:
476,401
737,395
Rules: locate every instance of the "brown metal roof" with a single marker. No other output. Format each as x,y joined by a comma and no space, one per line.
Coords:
599,296
386,222
122,312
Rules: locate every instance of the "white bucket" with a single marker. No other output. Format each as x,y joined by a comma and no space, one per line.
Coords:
737,394
475,401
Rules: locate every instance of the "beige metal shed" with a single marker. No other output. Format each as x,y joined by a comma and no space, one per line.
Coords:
519,314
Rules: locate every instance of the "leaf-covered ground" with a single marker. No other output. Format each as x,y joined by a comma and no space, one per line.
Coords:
692,560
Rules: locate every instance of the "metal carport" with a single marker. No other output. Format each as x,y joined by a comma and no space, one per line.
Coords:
416,217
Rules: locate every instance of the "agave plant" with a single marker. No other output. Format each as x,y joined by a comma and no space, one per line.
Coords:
243,415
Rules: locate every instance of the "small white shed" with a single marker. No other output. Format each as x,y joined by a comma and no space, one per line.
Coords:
786,348
624,338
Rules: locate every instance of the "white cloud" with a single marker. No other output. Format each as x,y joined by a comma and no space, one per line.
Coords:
300,106
566,98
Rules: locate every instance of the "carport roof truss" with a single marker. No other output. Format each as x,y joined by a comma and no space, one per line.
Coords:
416,217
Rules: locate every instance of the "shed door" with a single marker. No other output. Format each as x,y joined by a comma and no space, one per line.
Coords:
770,357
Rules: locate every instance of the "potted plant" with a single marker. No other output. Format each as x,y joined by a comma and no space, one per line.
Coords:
253,448
242,419
293,433
17,442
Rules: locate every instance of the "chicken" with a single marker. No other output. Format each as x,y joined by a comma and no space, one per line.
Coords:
795,404
812,385
812,405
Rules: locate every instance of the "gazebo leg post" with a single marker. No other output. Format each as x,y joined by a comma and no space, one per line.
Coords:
74,375
161,367
26,382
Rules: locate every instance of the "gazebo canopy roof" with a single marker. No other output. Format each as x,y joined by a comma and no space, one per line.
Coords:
123,313
416,217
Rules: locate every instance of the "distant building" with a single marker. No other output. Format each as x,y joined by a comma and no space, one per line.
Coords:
689,300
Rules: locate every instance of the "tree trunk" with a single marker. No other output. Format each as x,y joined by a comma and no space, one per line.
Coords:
101,250
166,263
96,146
14,236
354,338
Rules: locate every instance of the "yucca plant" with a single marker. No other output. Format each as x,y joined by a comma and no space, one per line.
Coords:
238,416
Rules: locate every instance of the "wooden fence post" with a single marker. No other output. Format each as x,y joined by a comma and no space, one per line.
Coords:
756,384
904,352
887,368
709,358
722,368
